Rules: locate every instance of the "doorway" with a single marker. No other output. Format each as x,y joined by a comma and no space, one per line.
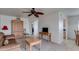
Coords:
34,27
65,29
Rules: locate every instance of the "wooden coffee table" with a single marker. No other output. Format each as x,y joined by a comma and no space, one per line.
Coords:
33,41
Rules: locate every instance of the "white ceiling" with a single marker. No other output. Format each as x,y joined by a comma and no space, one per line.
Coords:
71,11
18,11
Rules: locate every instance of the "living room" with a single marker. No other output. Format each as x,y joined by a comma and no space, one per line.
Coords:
51,21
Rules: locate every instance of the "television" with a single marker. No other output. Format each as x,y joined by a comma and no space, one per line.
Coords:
44,29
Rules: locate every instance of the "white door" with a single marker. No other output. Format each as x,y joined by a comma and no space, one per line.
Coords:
35,28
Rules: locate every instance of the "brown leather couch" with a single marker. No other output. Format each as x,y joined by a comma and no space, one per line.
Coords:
1,38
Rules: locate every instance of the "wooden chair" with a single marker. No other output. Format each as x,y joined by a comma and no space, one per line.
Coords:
77,37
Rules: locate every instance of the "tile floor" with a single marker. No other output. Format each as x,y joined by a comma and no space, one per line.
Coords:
67,45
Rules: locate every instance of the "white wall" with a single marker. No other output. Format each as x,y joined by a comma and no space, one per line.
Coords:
73,22
0,25
62,18
54,24
26,24
6,20
32,19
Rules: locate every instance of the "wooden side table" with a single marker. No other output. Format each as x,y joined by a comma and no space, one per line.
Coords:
33,41
77,39
46,34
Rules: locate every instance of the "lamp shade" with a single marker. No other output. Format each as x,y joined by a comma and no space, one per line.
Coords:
5,28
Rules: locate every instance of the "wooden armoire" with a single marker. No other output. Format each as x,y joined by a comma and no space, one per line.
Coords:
17,27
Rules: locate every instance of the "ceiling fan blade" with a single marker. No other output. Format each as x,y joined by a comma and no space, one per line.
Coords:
29,14
26,12
40,13
36,15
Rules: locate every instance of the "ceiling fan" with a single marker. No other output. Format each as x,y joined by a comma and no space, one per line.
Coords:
34,12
